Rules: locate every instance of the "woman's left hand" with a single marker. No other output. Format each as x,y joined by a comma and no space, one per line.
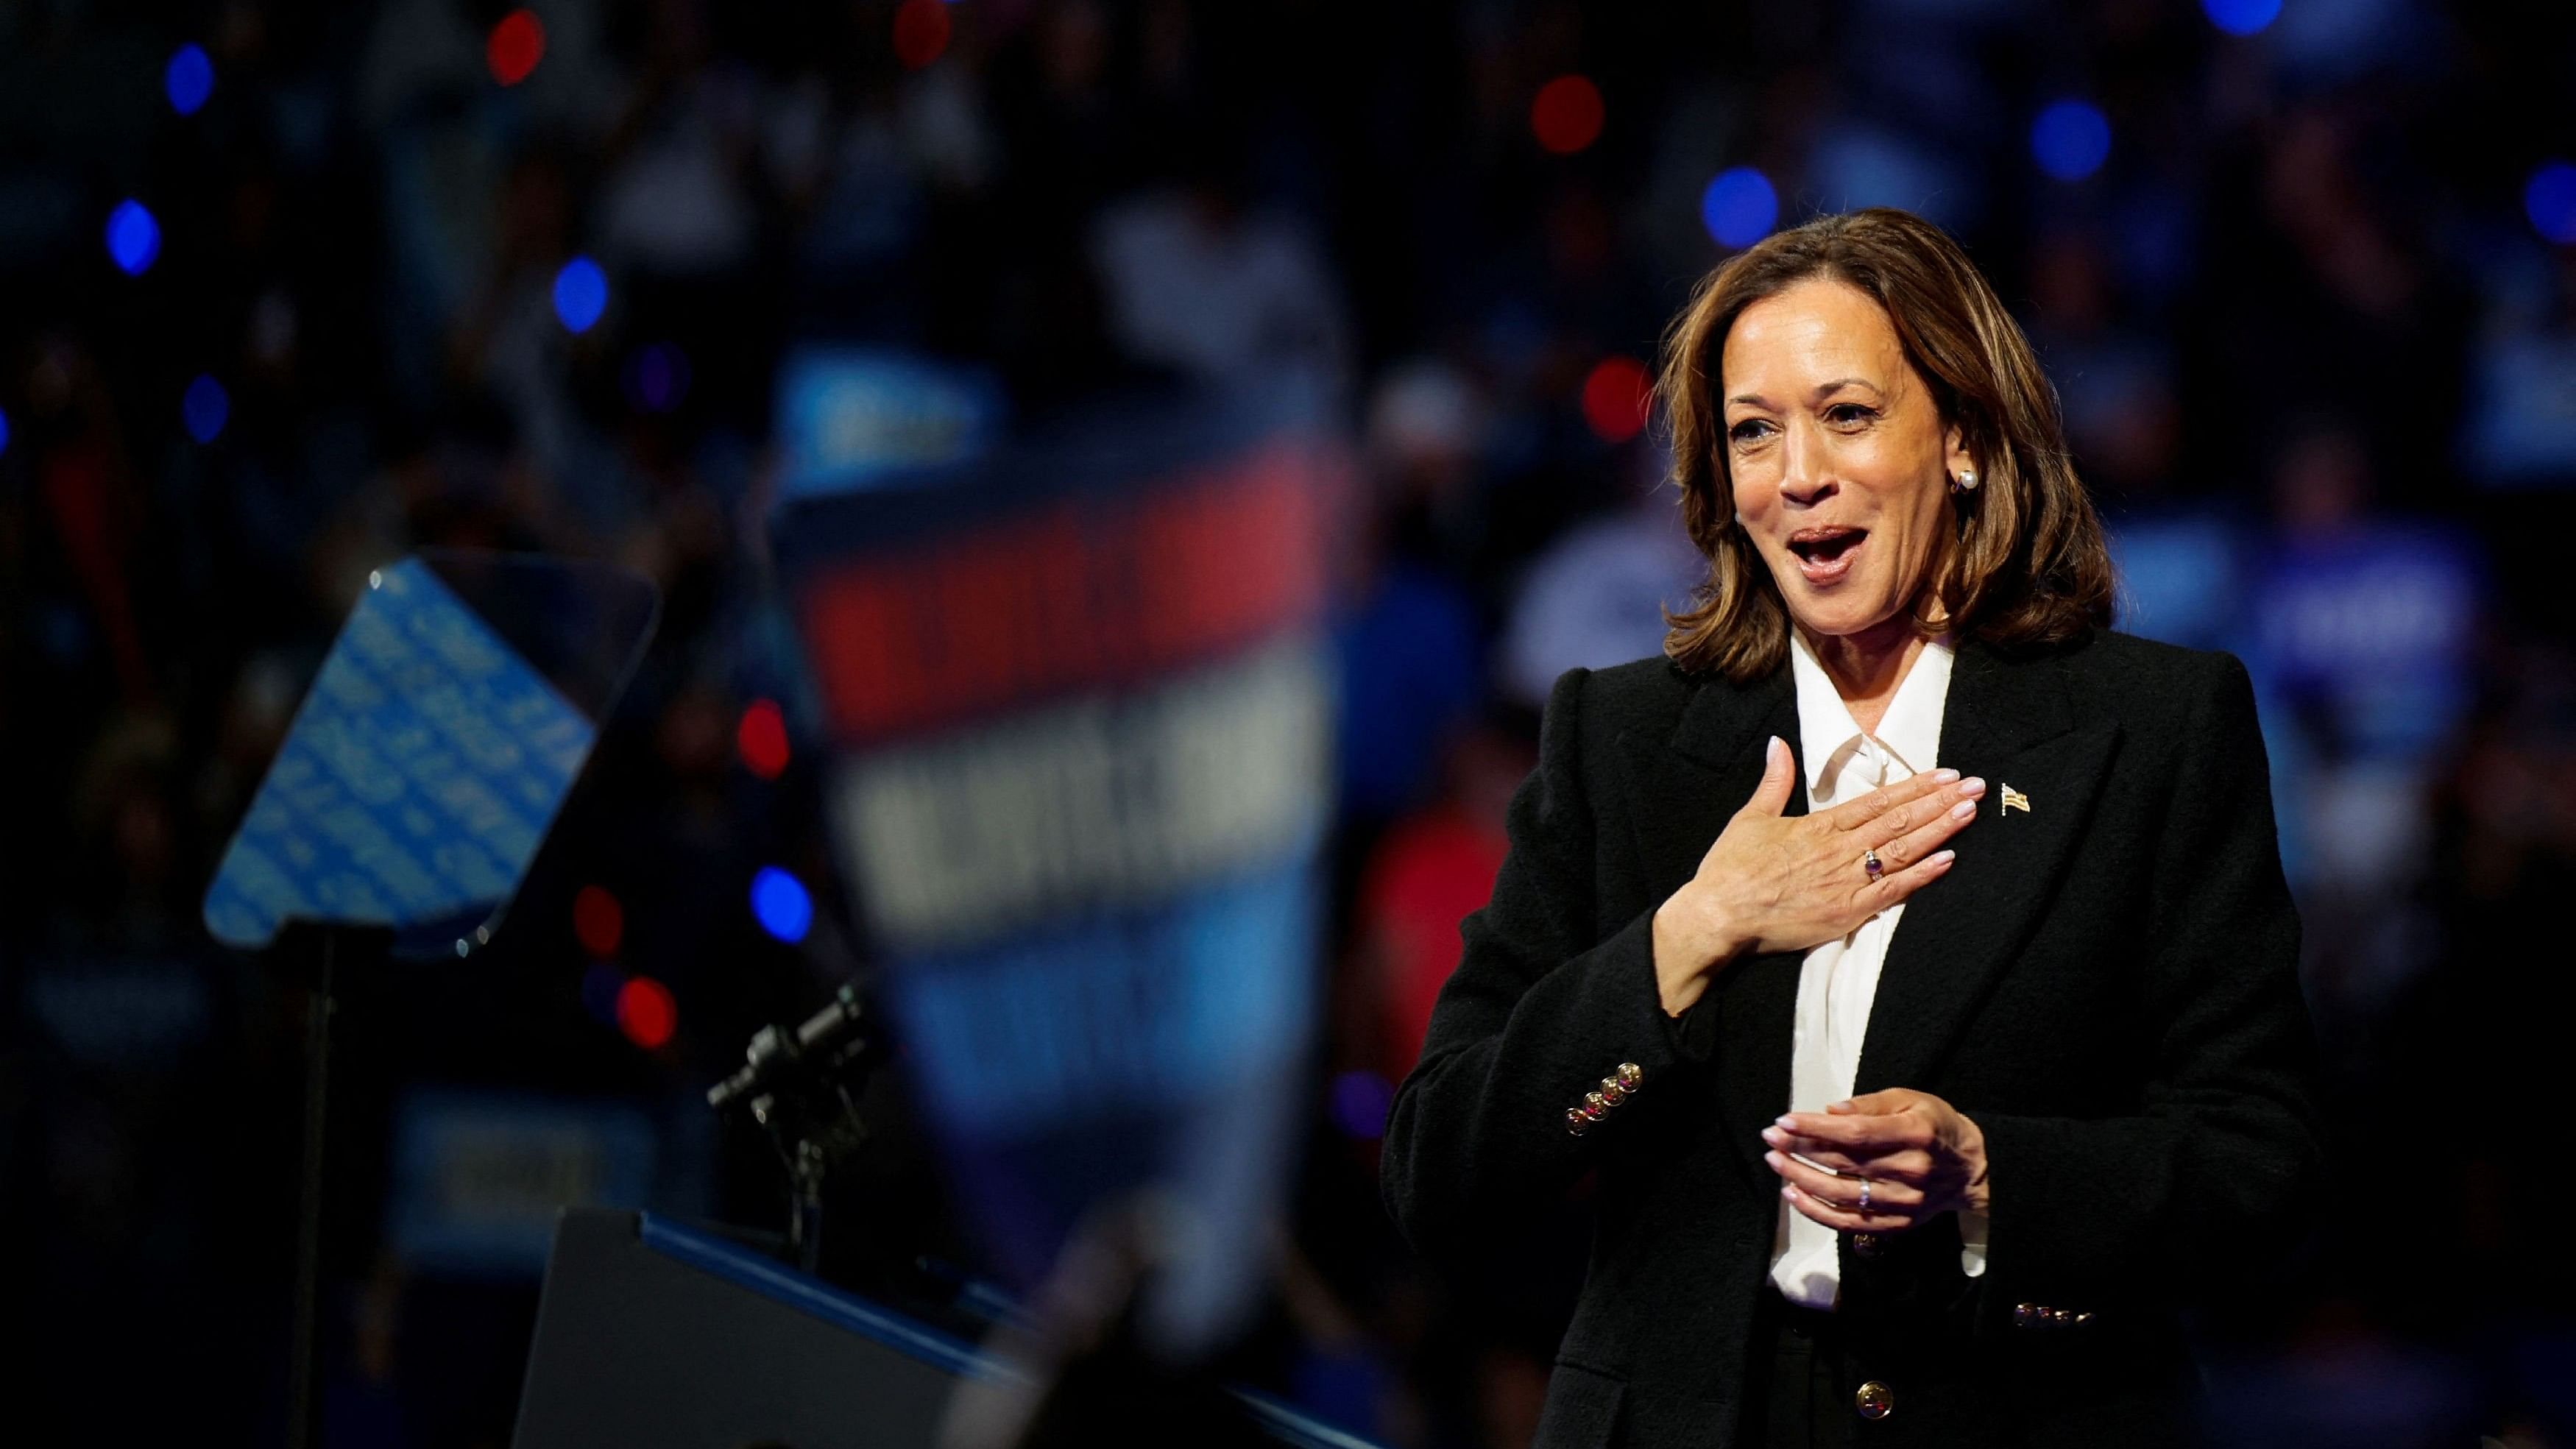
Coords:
1919,1156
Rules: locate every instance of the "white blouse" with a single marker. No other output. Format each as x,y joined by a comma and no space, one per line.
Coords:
1838,979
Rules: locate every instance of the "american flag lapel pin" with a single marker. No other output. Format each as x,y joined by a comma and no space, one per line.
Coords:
2014,800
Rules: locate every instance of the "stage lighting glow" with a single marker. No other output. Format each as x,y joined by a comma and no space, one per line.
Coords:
1739,207
1567,115
205,407
2071,139
1615,397
762,738
780,902
646,1012
920,32
659,377
2550,200
2241,17
133,237
581,294
188,79
516,44
598,920
4,432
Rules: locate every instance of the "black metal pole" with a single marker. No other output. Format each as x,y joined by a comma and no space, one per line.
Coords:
303,1390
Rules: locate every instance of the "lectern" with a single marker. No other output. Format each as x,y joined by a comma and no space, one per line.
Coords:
652,1334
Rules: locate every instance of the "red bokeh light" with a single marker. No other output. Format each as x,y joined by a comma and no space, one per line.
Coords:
920,32
1615,397
598,920
516,44
1566,117
646,1013
762,738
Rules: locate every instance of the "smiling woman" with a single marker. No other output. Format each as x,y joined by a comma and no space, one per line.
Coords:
1906,1099
1872,335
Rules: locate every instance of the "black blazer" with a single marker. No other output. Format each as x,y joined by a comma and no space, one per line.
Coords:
2106,982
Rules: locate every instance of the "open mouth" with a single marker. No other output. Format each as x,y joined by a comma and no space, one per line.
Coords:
1825,555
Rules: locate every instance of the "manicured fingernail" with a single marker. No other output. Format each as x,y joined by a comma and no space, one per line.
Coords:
1776,1160
1972,787
1788,1191
1963,809
1786,1122
1774,1136
1944,776
1941,857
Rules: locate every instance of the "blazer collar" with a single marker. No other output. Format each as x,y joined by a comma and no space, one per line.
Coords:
1999,704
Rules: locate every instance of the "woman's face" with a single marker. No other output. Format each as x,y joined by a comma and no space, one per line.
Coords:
1841,463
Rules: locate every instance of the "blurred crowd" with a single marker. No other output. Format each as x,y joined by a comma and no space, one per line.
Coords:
2287,261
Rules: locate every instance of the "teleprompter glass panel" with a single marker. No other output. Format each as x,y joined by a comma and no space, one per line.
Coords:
439,740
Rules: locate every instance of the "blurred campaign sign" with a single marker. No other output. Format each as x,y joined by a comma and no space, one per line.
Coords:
1082,705
2370,633
852,418
480,1177
435,747
2181,578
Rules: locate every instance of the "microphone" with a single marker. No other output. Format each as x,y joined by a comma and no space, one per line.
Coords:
826,1042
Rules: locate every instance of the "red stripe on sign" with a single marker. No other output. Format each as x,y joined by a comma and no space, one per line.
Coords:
1069,596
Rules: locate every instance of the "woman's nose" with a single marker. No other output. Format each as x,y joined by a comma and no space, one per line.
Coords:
1804,479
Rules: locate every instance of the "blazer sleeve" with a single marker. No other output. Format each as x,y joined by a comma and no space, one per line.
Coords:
1541,1007
2216,1169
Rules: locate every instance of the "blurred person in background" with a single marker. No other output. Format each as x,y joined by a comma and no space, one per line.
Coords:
1962,1177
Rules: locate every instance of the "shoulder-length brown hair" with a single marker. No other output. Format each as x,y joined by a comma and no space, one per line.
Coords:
2029,569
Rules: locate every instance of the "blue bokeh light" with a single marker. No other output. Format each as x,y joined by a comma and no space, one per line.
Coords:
1739,207
188,79
581,293
2071,139
2549,198
4,432
206,407
133,237
2241,17
782,905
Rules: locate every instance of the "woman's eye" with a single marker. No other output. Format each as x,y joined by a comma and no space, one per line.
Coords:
1748,430
1848,414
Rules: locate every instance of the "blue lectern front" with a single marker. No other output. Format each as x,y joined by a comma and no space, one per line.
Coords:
654,1335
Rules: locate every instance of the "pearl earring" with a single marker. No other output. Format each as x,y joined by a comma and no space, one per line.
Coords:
1966,482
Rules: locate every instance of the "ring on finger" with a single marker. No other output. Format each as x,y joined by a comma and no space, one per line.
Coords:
1864,1194
1870,863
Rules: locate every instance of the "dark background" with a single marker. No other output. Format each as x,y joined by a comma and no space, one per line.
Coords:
2312,310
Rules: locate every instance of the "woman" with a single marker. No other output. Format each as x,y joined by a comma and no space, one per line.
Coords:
1907,953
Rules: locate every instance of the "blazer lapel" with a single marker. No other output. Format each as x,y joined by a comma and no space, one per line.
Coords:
2009,721
1685,788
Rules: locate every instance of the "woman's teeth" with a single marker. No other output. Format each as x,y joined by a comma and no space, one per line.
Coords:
1825,560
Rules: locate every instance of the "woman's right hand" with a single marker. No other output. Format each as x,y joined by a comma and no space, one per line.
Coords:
1784,883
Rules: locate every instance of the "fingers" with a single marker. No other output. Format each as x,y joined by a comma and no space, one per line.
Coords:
1853,814
1896,885
1926,834
1859,1133
1886,1198
1909,1163
1779,773
1844,1220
